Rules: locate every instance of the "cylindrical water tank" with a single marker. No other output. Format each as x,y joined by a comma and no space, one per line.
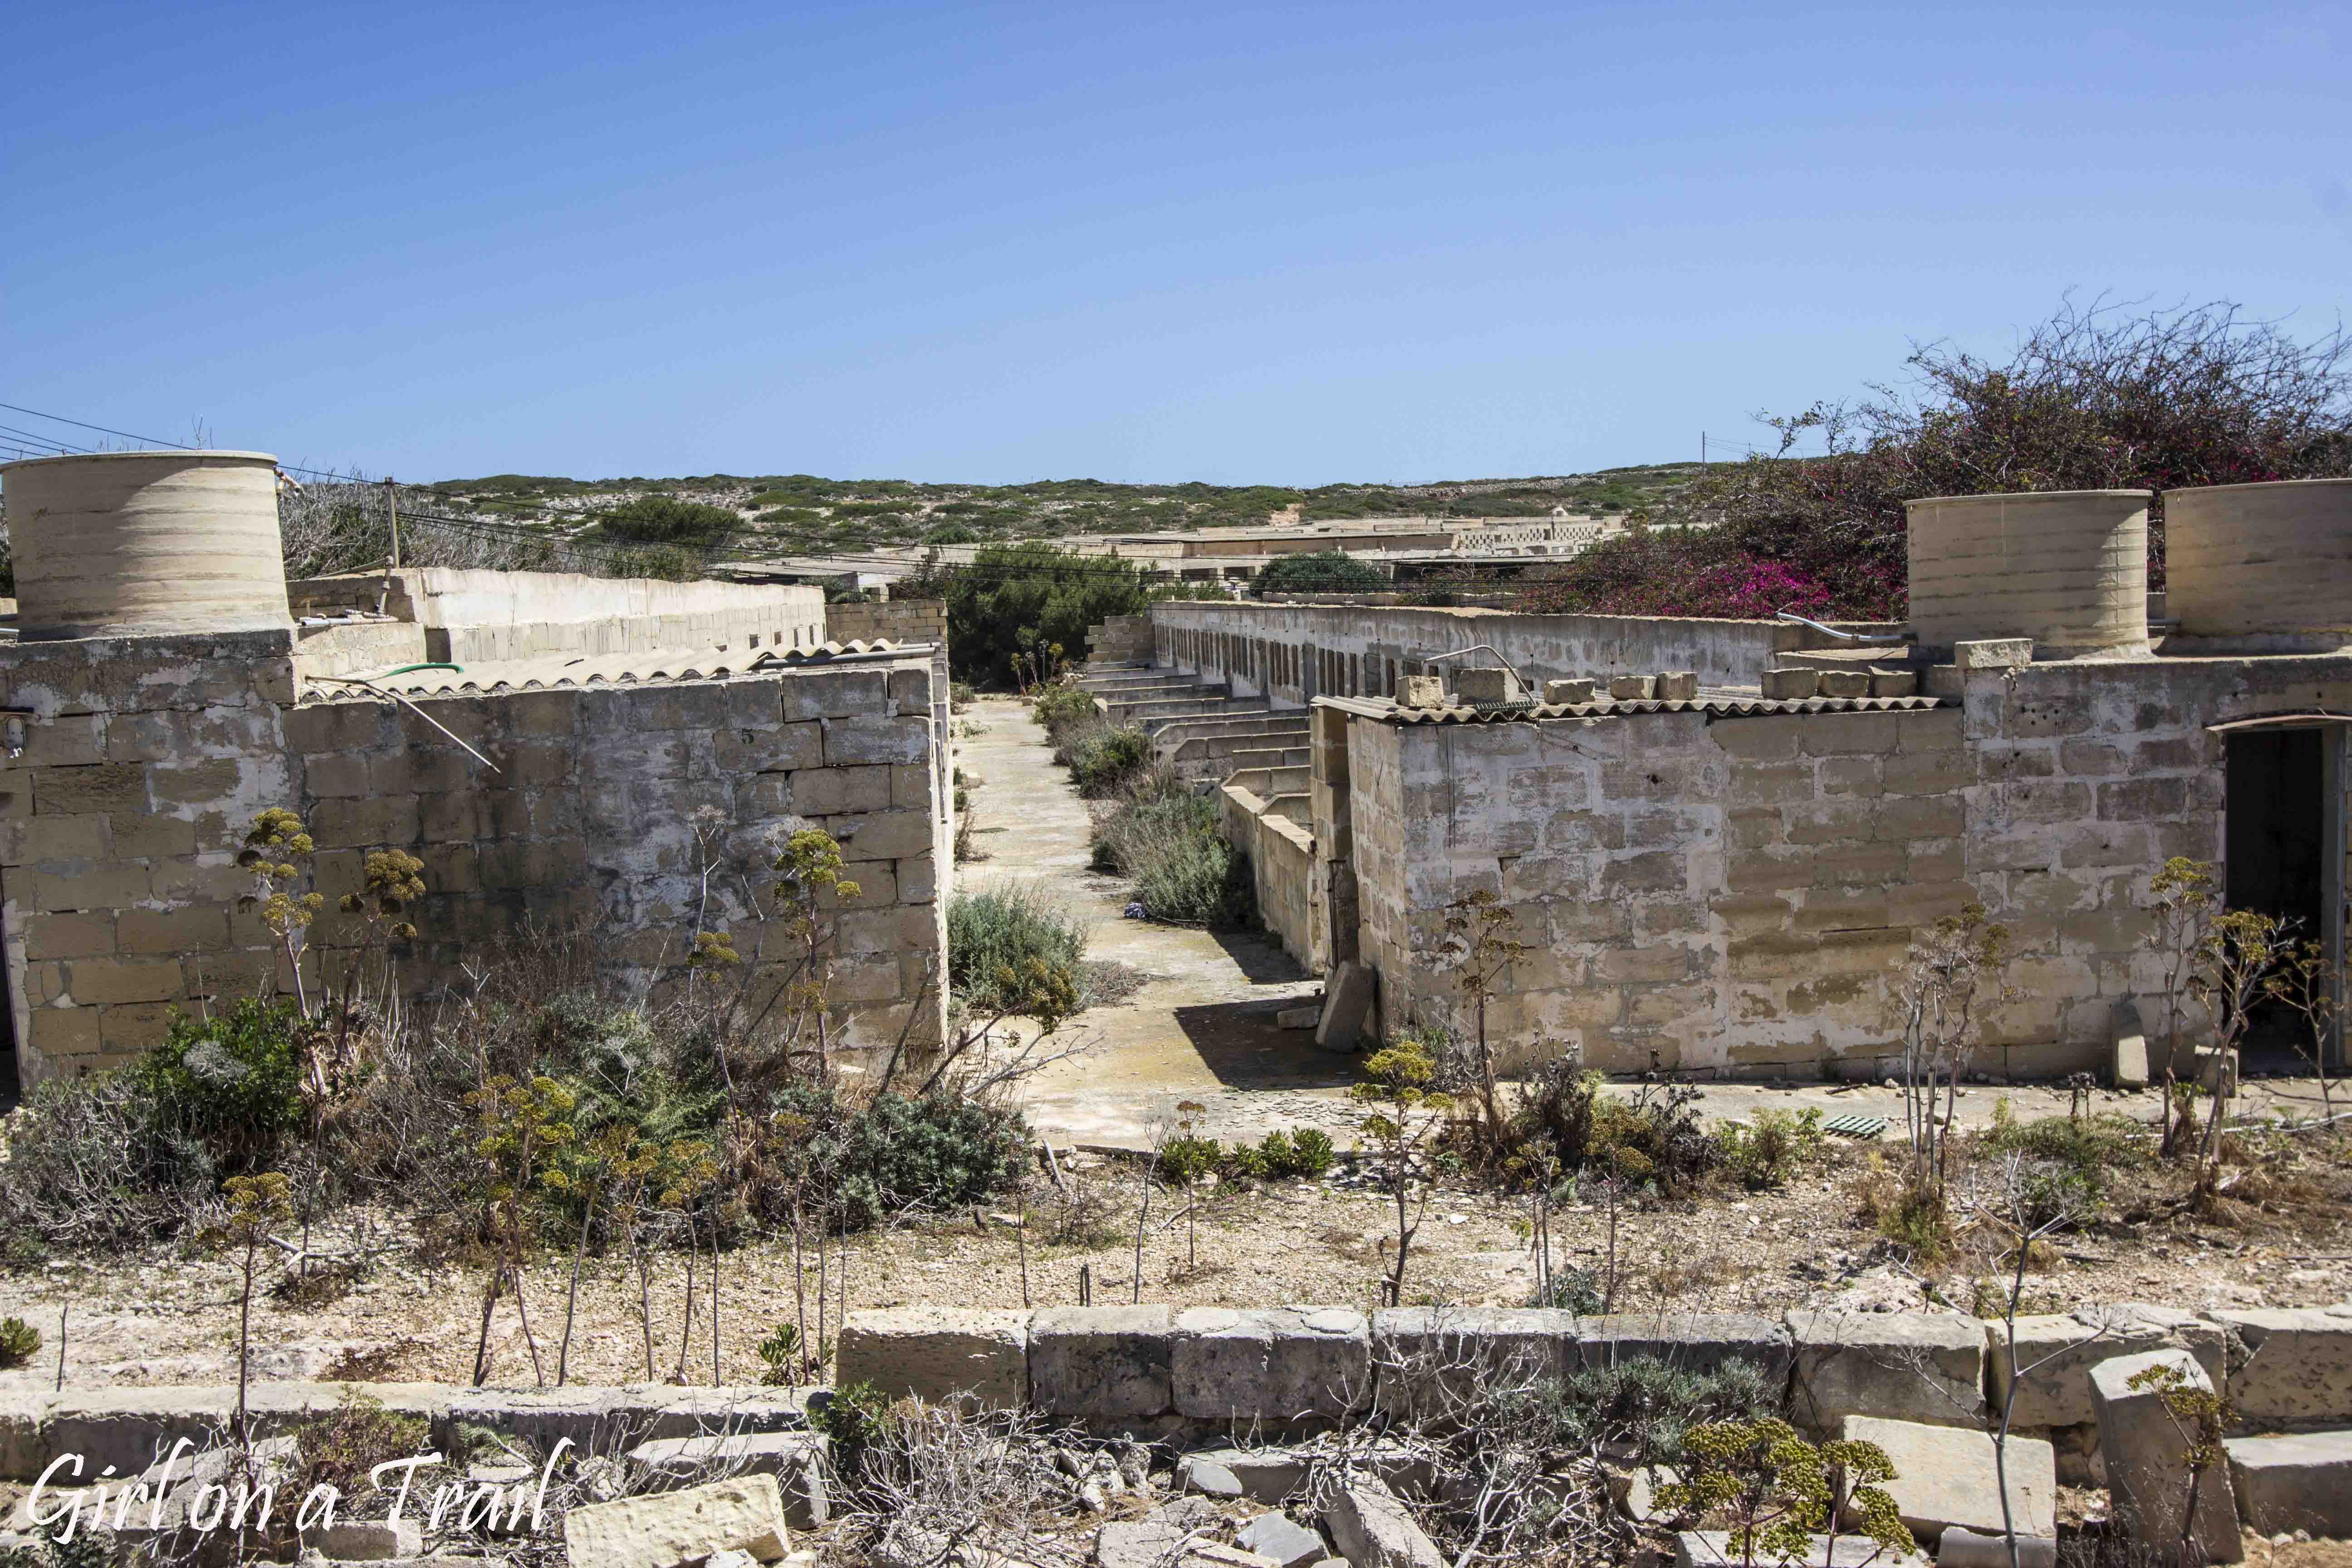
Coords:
2268,565
2067,568
117,543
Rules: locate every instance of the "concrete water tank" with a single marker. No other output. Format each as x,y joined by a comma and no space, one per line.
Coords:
2067,568
117,543
2266,566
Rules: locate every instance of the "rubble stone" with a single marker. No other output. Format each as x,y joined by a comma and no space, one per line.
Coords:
1282,1539
666,1529
1373,1530
369,1541
796,1459
2147,1464
1946,1476
2300,1480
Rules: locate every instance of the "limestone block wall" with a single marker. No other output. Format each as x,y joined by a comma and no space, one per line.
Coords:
142,763
1696,890
899,620
484,615
1292,653
356,648
1281,854
593,815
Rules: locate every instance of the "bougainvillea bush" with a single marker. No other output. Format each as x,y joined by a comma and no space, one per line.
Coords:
2098,397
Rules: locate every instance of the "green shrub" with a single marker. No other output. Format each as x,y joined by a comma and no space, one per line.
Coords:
1771,1148
1062,710
1186,1158
1321,571
19,1342
2068,1159
666,520
1655,1139
1574,1290
997,933
1310,1153
231,1083
851,1419
928,1151
1024,599
1649,1405
1168,841
1105,760
341,1448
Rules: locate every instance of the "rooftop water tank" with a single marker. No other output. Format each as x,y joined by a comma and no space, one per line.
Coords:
2268,567
2067,568
122,543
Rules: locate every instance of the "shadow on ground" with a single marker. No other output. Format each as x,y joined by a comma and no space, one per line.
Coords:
1238,1042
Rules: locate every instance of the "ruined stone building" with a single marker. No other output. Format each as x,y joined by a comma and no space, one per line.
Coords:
1720,838
562,753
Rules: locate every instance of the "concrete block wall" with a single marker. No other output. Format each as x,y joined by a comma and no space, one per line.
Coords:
899,620
143,761
1282,860
592,818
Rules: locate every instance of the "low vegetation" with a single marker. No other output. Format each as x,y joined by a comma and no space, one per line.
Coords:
1166,840
2098,396
1319,572
999,938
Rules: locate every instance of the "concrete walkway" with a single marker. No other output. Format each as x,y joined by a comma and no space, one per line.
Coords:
1201,1027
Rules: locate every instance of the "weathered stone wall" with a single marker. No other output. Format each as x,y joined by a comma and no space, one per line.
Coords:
1699,890
590,820
144,759
1294,653
898,620
479,616
1261,807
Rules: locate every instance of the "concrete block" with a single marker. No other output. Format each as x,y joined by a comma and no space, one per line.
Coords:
1700,1340
1275,1365
1894,682
1347,1001
1966,1548
2298,1371
1101,1360
1678,686
2147,1460
745,1513
1633,688
1906,1366
938,1353
1792,685
2299,1481
1373,1530
1484,687
796,1459
1844,683
1563,692
1430,1356
1993,653
1946,1476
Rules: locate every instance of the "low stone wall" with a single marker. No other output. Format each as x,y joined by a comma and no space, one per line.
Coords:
1157,1368
894,620
1281,856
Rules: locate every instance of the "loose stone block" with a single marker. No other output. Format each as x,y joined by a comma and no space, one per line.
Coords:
1714,1549
1275,1536
1101,1360
1421,692
2299,1371
1485,687
368,1541
1632,687
1678,686
1946,1476
1894,682
1844,683
1792,685
2127,1049
1373,1530
796,1459
1568,691
2146,1459
2299,1481
1906,1366
2061,1349
1993,653
667,1529
1347,1001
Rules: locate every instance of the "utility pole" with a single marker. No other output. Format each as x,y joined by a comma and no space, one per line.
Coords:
1701,448
392,508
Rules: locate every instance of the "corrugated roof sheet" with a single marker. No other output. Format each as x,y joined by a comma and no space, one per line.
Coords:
1722,706
561,669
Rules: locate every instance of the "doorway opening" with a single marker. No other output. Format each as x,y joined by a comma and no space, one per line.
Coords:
2279,827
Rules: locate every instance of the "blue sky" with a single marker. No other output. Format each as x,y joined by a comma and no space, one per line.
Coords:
1275,243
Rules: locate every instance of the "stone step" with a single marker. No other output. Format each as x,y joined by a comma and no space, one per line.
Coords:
2301,1480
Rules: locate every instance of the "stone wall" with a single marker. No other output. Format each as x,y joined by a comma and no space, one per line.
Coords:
591,821
480,615
898,620
144,759
1261,807
1294,653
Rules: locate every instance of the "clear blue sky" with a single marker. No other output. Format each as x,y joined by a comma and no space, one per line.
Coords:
1283,244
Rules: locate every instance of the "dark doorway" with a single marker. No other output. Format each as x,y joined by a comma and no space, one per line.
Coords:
2276,862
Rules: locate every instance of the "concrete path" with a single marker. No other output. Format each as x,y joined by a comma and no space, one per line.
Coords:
1201,1027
